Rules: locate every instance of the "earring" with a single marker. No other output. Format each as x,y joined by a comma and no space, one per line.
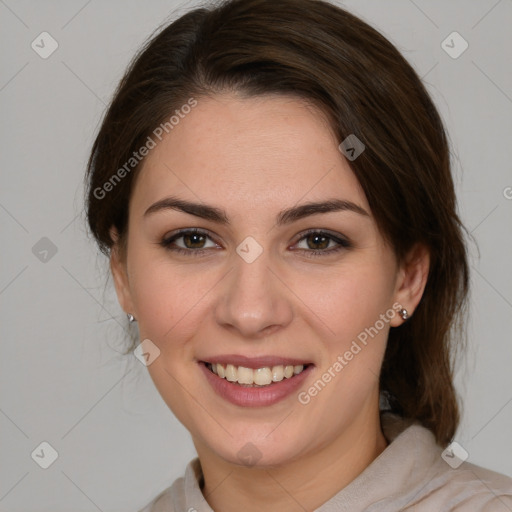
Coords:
404,314
131,318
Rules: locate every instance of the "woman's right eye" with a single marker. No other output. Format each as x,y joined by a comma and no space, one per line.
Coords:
191,242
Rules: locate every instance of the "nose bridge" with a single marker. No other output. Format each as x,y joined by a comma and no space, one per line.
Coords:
253,300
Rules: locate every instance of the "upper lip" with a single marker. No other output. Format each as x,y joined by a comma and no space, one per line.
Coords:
254,362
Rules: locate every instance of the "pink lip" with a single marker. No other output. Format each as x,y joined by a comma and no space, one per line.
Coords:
254,396
254,362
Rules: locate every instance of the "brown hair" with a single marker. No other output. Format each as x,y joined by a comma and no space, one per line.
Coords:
326,55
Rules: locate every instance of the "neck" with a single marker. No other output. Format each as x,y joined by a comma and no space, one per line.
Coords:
305,483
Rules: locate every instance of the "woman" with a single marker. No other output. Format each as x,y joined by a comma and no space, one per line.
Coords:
272,186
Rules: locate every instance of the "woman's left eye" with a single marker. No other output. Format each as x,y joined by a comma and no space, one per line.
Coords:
320,243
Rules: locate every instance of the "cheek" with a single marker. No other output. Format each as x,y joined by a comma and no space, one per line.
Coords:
169,299
348,301
352,305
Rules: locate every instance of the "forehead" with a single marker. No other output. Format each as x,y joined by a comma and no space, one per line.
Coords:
248,152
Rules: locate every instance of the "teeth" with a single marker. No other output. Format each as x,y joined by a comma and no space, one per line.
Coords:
277,373
262,376
231,373
259,377
245,375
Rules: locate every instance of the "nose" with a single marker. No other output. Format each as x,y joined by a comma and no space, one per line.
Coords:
253,301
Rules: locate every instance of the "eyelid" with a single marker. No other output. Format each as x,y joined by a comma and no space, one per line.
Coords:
175,235
340,239
186,231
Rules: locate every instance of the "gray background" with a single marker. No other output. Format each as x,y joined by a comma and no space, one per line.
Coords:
62,378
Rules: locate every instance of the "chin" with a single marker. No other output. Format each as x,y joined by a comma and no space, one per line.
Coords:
255,450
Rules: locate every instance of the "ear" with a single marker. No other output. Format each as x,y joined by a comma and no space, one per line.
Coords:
411,281
120,275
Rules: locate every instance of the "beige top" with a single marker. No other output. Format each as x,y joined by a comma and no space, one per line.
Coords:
409,475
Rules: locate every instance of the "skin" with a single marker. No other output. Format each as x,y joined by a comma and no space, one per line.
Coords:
254,157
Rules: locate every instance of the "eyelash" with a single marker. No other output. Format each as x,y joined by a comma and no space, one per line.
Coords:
343,243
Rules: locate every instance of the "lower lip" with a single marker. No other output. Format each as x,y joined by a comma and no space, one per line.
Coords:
255,396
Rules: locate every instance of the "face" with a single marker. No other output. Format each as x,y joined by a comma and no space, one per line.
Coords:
226,264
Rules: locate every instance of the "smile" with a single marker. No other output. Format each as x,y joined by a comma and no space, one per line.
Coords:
255,377
261,382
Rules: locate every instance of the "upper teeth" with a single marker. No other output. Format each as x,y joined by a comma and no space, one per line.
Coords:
258,376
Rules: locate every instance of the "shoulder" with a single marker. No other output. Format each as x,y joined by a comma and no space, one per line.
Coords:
470,488
465,487
180,496
164,502
423,477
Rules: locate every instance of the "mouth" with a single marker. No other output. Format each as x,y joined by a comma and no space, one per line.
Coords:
255,382
255,377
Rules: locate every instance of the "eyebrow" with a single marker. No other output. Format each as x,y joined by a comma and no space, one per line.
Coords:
287,216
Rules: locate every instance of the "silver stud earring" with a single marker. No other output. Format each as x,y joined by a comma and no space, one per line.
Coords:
404,314
131,318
